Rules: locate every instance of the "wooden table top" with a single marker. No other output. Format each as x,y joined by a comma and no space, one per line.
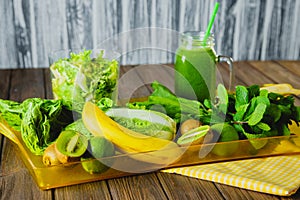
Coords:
17,183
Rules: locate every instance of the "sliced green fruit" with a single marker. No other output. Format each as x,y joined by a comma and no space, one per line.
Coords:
71,143
194,136
99,147
226,133
147,122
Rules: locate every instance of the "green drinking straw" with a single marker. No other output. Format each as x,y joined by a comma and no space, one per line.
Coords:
212,19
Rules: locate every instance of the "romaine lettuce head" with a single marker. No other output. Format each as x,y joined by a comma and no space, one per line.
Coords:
42,122
81,78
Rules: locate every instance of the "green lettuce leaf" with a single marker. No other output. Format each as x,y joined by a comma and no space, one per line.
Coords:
11,112
80,78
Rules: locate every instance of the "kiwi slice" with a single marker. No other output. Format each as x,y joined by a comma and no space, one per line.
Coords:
71,143
194,136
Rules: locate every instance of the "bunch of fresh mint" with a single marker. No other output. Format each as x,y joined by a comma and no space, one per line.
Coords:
257,113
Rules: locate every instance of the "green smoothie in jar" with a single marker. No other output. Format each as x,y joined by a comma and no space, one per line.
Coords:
195,65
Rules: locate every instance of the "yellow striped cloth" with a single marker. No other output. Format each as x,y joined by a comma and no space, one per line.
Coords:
274,175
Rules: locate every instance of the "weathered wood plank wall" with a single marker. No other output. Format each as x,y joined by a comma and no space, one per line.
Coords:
245,30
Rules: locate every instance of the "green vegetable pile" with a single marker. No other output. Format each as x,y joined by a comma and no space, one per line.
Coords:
81,78
254,113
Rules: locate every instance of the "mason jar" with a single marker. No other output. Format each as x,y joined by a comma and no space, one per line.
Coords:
195,67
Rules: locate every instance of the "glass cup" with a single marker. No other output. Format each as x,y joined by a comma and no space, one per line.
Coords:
79,75
195,65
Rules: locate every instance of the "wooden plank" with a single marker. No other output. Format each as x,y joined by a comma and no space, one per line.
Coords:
145,186
95,190
10,163
230,192
27,83
247,74
20,185
291,65
48,84
4,83
161,73
182,187
276,72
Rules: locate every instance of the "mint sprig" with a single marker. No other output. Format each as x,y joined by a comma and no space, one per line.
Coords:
260,114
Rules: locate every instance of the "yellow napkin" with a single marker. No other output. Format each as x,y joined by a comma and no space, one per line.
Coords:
274,175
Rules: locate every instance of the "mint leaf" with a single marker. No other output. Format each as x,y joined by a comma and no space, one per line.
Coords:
258,114
239,115
242,96
263,93
263,97
263,126
251,108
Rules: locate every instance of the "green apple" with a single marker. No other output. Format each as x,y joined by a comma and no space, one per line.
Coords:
225,133
99,147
